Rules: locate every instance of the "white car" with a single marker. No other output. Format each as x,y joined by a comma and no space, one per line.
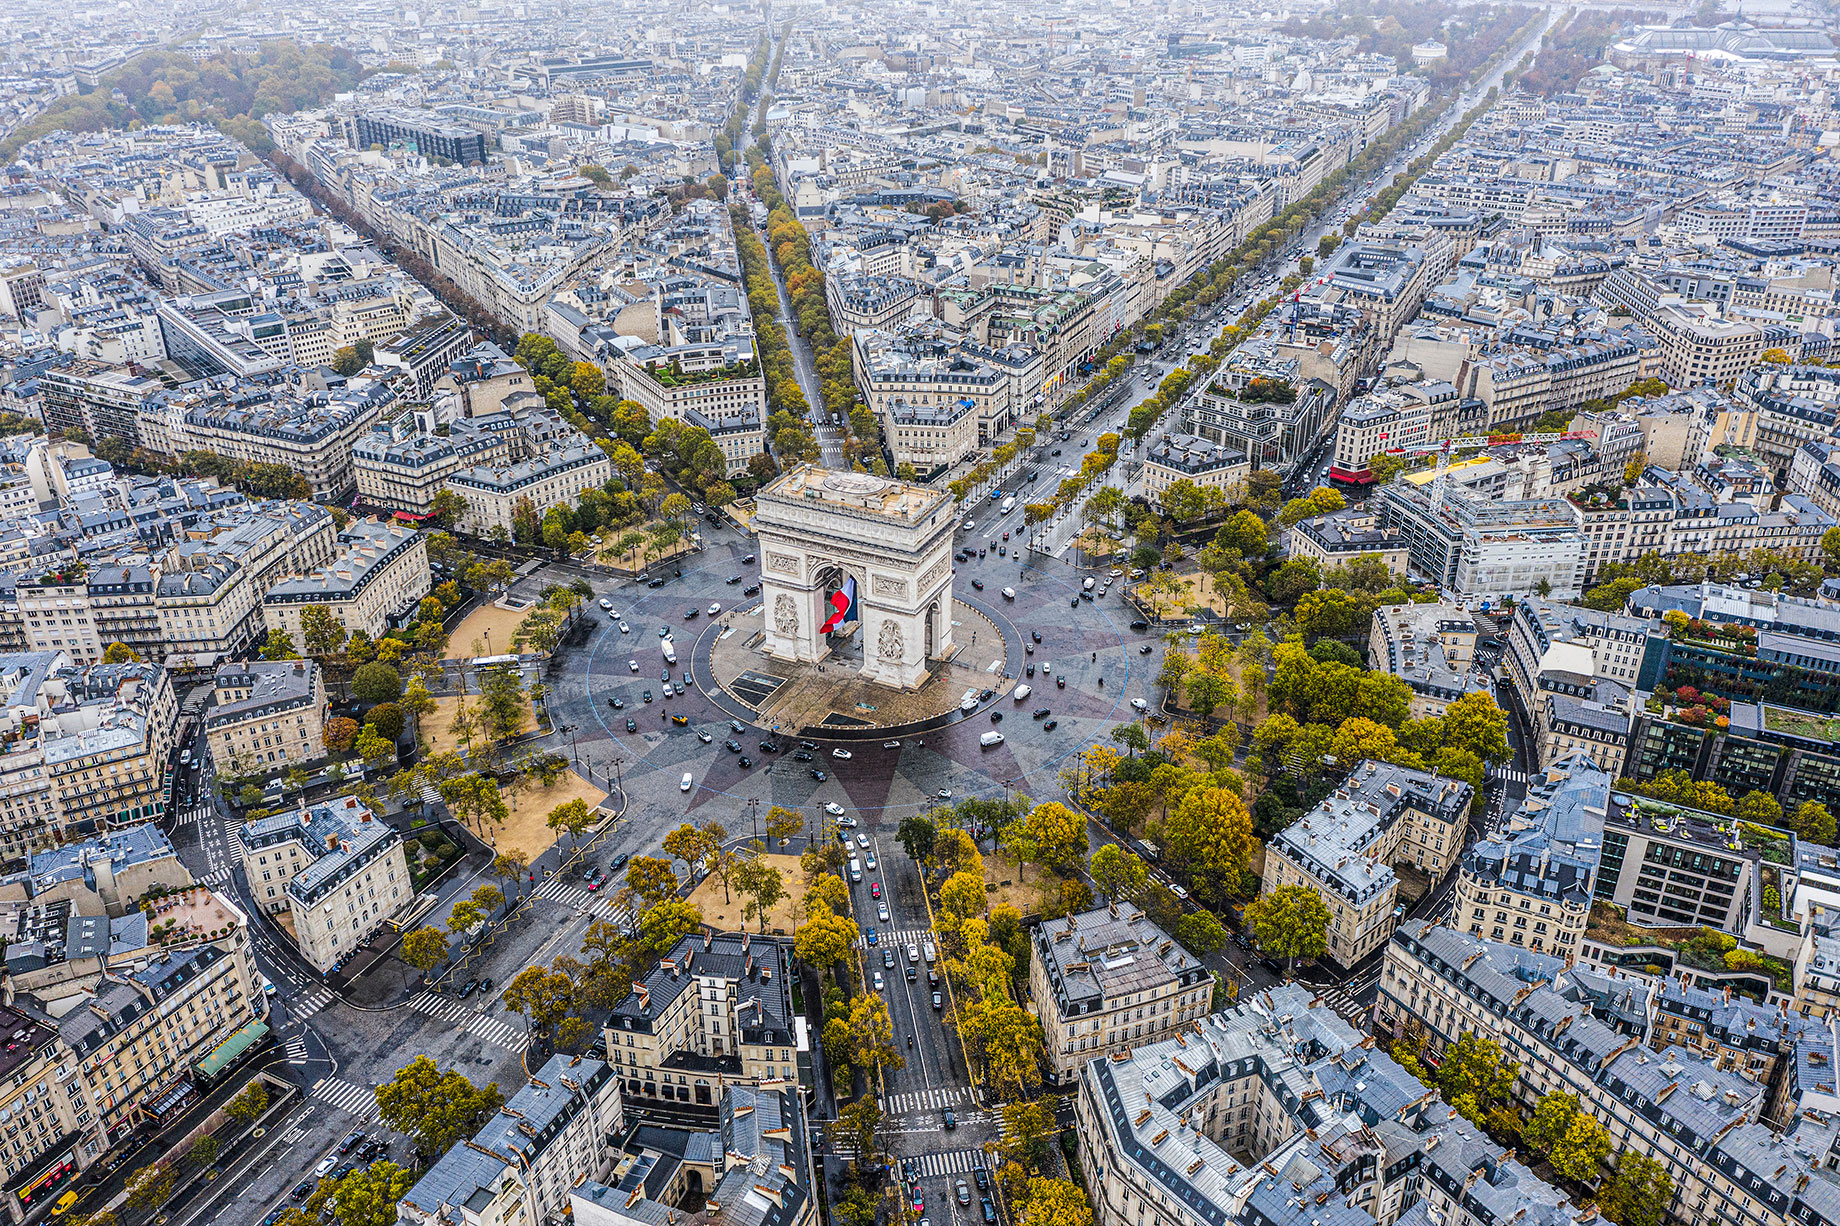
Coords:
623,628
833,808
606,605
847,823
1116,572
862,840
878,976
686,783
840,753
1139,704
870,863
881,913
714,609
633,665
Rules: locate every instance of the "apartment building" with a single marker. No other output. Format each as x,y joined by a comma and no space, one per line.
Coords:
1531,883
554,476
400,471
931,437
936,374
1432,647
1275,1112
716,385
95,399
380,574
310,432
1475,547
1794,405
49,1135
335,869
520,1167
1344,849
1567,650
1341,536
1783,750
266,713
1696,1116
1701,344
715,1011
102,875
1191,458
1108,980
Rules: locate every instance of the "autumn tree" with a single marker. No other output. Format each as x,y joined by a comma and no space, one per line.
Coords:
1291,922
424,948
433,1108
1638,1193
1054,1202
369,1195
650,880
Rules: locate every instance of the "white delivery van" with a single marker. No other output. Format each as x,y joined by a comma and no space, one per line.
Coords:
1088,585
855,869
1009,593
991,739
1009,504
1022,691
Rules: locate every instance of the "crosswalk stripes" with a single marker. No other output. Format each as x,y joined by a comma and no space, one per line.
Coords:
952,1162
446,1008
599,905
216,876
1344,1004
297,1050
1508,775
921,1100
191,816
352,1099
495,1030
897,938
307,1003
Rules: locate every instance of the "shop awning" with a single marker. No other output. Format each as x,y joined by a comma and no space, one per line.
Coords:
225,1053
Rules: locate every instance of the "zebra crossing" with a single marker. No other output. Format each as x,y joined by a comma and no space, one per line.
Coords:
349,1097
435,1005
1344,1003
296,1050
192,816
215,877
952,1162
498,1031
1508,774
598,905
898,938
306,1004
921,1100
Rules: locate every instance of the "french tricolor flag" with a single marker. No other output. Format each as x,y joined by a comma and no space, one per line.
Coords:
844,602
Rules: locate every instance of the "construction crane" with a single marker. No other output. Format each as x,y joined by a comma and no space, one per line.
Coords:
1444,448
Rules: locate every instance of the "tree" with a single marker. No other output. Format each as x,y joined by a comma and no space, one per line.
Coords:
1200,932
1760,807
369,1195
386,720
120,653
1830,548
1474,1077
1813,823
651,880
1577,1154
1054,1202
424,948
502,705
573,817
872,1034
545,997
247,1107
783,823
1051,834
151,1186
1117,873
338,733
1551,1117
512,865
917,836
962,896
859,1125
763,884
1291,922
279,645
1639,1193
374,683
433,1108
689,844
1209,831
824,939
1474,722
321,633
472,798
375,749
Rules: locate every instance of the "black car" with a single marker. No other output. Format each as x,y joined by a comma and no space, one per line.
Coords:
303,1189
990,1210
980,553
1029,671
1050,725
619,862
1140,625
1145,650
978,584
746,761
1039,713
472,986
819,775
732,580
1036,635
746,558
655,583
983,1179
996,717
769,746
752,589
690,614
732,745
986,695
352,1141
801,756
1074,603
632,725
647,695
808,744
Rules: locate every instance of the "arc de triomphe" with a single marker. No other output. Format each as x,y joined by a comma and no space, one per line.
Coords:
819,527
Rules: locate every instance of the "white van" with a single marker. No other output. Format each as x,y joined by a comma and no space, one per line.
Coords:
929,951
991,739
1088,585
855,869
1009,593
1022,691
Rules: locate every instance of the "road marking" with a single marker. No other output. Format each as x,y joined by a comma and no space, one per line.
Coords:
349,1097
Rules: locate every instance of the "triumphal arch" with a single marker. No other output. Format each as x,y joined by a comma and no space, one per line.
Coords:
846,551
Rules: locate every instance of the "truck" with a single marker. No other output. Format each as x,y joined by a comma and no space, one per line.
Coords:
1009,504
669,649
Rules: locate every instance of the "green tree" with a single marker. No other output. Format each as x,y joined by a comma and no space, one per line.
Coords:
424,948
279,645
544,997
1551,1117
1760,807
248,1106
1054,1202
763,885
1813,823
321,632
571,817
1200,932
1117,873
369,1195
1474,722
1291,922
1639,1192
433,1108
374,683
1474,1077
1209,833
1578,1153
502,705
151,1186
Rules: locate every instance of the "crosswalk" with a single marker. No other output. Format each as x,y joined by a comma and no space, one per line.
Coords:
191,816
297,1050
1508,774
215,877
897,938
601,906
306,1004
1344,1004
921,1100
349,1097
952,1162
493,1030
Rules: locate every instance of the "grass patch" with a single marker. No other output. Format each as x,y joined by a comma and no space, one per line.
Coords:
1802,723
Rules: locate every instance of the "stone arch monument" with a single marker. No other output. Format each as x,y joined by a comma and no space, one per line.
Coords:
820,526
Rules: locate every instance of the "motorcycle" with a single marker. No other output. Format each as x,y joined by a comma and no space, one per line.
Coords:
910,1040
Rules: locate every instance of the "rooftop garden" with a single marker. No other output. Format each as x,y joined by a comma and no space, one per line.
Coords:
1720,636
1808,724
1705,949
674,375
1259,391
1599,498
